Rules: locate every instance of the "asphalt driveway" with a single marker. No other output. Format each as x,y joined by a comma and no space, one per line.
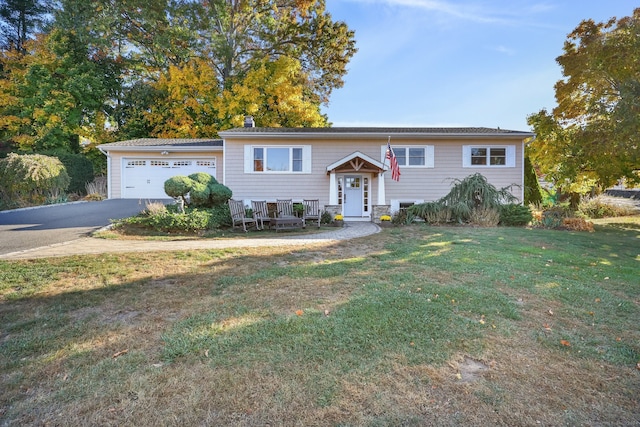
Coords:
30,228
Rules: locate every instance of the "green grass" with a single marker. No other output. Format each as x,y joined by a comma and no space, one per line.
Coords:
360,333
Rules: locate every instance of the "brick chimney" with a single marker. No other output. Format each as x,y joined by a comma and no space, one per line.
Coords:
249,122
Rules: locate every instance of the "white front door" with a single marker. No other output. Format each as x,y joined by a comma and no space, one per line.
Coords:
352,196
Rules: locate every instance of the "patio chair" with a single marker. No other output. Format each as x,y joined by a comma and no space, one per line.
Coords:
238,215
285,208
311,211
260,213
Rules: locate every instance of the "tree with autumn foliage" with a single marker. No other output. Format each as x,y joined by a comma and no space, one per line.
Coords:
275,94
592,137
106,70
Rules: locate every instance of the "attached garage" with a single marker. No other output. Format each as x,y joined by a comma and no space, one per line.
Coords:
144,178
137,169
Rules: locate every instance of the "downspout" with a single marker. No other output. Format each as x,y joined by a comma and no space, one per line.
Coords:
106,153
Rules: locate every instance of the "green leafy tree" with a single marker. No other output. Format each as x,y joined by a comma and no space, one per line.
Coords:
19,20
532,190
234,34
593,135
53,96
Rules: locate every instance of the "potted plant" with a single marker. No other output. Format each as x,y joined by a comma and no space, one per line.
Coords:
338,220
385,221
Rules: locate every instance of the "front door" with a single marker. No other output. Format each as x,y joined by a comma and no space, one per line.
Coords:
352,197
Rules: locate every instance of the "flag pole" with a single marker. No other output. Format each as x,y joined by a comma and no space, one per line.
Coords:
384,162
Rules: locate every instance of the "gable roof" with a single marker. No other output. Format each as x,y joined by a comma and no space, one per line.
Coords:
357,161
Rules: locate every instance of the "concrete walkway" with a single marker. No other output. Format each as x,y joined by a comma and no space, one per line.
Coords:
91,245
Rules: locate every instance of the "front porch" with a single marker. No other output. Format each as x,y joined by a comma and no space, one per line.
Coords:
356,188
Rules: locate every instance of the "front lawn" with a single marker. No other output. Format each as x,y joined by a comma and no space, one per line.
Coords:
416,325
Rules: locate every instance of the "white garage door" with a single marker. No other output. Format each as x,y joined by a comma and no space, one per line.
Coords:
144,178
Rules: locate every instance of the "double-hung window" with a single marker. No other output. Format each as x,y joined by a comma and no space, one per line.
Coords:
488,156
278,159
413,156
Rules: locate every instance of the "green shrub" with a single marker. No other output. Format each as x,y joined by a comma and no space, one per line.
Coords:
220,217
553,217
199,194
32,179
599,207
178,186
325,218
80,170
515,215
220,194
191,221
431,212
485,217
403,217
203,178
473,193
472,199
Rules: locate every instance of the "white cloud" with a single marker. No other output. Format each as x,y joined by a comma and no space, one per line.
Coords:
504,49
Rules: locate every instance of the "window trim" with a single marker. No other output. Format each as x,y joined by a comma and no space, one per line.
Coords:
510,155
429,156
249,151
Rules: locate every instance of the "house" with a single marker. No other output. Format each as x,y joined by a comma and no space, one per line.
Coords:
345,168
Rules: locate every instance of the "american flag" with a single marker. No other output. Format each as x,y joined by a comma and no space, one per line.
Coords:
393,162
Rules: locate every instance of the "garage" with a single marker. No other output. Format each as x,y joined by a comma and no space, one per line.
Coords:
138,168
145,177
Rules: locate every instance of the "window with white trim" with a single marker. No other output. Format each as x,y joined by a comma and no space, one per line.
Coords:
418,156
488,156
277,159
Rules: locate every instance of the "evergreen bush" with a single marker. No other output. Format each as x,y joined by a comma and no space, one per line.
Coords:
532,189
178,186
220,194
200,194
515,215
471,200
32,179
80,170
203,178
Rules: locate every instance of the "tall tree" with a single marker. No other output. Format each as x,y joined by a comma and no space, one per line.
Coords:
235,33
53,96
594,131
19,20
274,92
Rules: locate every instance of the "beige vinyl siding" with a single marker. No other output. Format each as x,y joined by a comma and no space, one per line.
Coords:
429,184
416,184
295,185
117,156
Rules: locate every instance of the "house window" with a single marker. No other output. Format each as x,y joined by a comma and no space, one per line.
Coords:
278,159
413,156
488,156
403,206
206,163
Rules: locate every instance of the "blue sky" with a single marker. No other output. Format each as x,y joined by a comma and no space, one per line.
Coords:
487,63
